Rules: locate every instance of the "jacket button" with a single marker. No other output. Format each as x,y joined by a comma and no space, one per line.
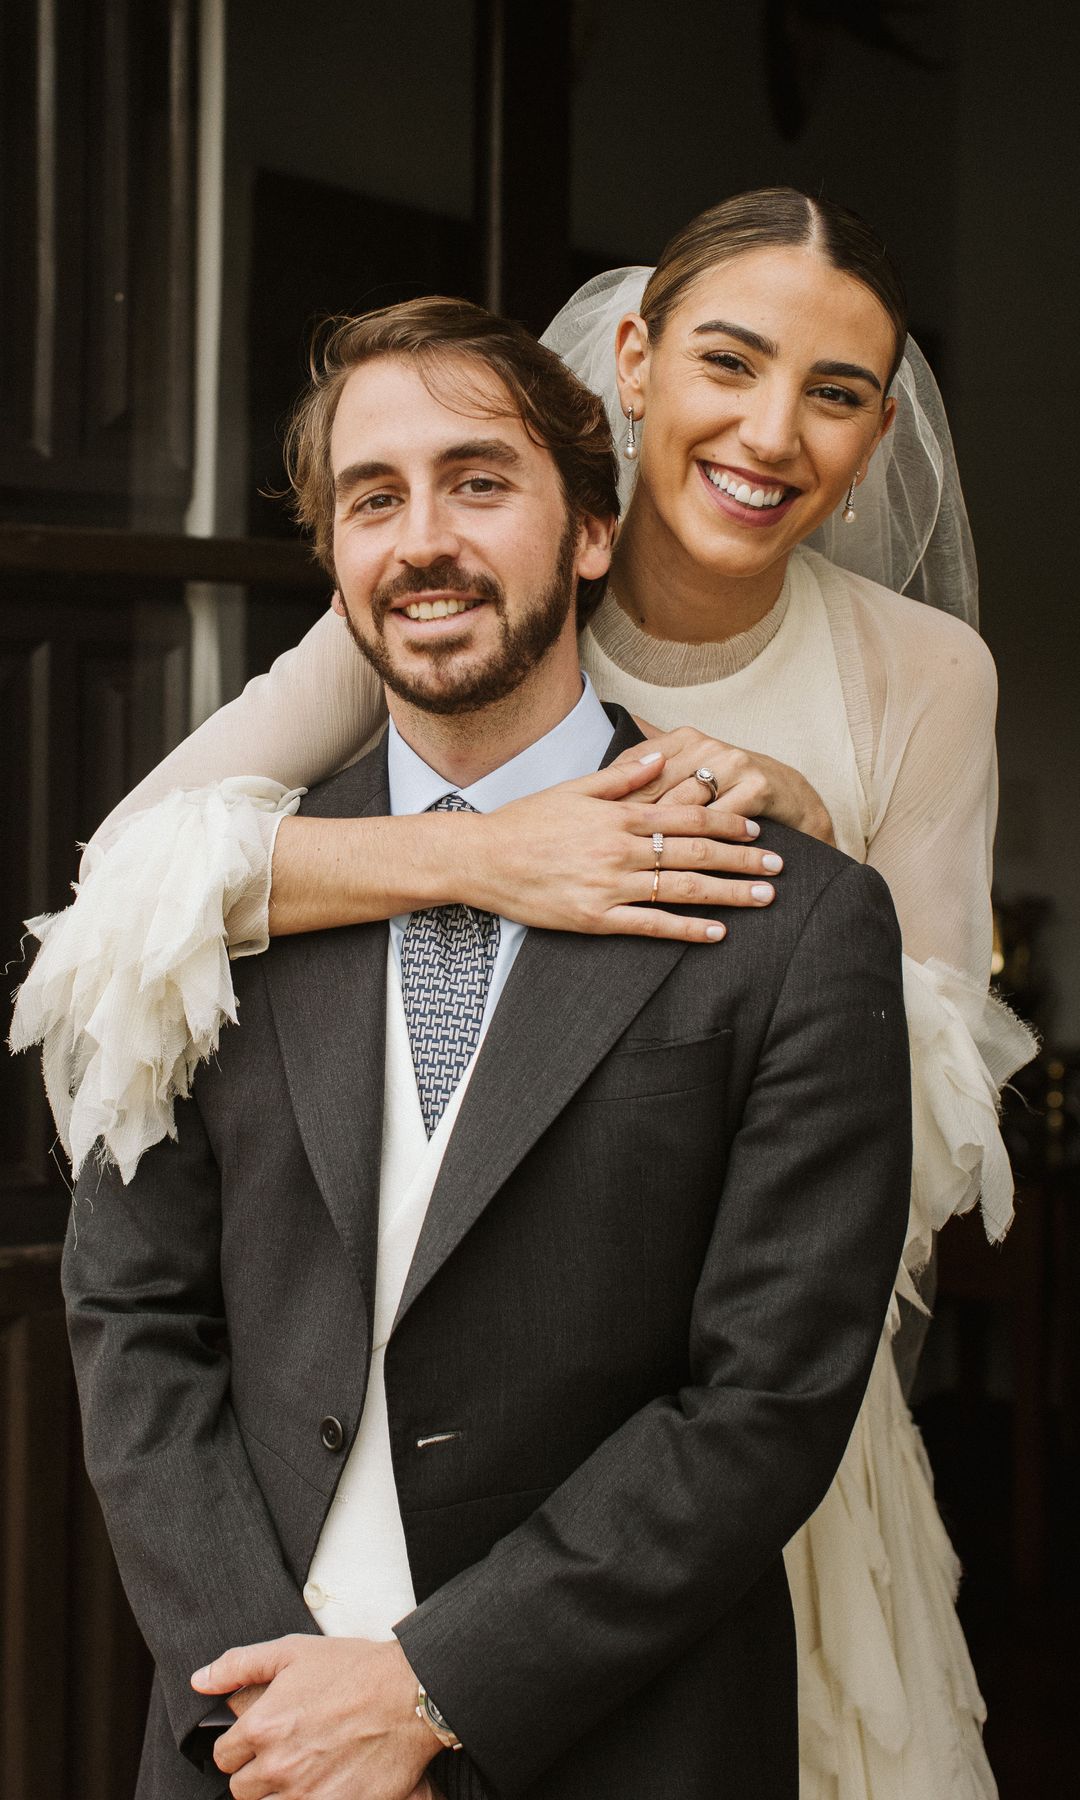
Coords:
331,1433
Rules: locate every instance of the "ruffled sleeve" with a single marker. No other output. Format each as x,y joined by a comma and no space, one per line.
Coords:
131,986
965,1044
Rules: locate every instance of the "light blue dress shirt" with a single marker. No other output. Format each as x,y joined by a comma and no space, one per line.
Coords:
575,747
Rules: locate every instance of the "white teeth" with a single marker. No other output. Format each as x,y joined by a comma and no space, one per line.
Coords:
438,609
742,491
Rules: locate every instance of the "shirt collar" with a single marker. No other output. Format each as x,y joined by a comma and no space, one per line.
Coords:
576,746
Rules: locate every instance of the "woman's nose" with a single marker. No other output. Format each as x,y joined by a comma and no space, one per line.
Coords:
770,424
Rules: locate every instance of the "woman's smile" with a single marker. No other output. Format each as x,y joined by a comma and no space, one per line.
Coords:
749,499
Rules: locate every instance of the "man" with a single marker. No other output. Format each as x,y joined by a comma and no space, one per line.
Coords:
506,1300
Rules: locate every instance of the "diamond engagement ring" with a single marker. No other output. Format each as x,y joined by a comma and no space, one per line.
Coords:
658,851
708,779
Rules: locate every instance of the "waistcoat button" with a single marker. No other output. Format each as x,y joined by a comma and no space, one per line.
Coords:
331,1433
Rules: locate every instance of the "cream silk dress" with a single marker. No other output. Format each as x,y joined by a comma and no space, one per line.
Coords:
887,707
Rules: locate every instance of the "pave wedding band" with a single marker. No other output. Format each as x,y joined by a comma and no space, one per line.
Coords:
708,779
658,851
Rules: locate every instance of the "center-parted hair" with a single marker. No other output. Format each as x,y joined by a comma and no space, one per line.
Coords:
440,338
769,218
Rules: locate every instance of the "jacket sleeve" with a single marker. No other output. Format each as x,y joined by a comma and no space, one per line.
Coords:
674,1517
194,1543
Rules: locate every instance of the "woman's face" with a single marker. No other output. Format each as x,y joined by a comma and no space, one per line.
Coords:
764,395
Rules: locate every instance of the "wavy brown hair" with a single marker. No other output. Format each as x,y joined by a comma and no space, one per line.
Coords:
441,337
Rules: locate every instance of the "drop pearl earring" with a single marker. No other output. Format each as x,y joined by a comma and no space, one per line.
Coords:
630,446
848,514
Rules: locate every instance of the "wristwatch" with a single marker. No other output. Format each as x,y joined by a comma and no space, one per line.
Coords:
427,1710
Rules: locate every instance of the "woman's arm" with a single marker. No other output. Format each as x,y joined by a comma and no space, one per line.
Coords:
934,791
309,715
934,787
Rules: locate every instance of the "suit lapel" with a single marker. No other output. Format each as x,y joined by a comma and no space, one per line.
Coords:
566,1002
328,997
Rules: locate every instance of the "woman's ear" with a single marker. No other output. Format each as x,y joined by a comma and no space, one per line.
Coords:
888,414
632,363
595,540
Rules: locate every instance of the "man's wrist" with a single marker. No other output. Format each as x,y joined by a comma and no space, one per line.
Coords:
435,1720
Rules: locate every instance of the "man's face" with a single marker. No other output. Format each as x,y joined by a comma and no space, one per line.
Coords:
456,559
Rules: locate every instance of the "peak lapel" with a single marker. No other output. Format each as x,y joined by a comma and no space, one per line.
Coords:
328,997
566,1002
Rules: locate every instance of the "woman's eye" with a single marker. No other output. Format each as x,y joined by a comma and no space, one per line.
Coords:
838,396
727,360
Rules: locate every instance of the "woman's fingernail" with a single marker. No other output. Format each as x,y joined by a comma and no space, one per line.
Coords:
760,890
753,829
715,932
773,863
653,756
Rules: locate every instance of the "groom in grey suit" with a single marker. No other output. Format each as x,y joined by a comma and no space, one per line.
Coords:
454,1381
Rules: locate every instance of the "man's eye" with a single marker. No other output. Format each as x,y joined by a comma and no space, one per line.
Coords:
481,484
375,503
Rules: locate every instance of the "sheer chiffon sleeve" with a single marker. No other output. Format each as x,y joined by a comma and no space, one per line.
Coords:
930,692
131,985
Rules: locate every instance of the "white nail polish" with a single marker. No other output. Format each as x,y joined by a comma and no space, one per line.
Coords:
753,828
759,891
773,863
714,933
653,756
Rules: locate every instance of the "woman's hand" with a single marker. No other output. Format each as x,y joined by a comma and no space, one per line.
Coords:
748,782
579,857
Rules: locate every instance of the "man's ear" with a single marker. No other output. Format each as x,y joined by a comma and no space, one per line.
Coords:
338,604
595,540
632,362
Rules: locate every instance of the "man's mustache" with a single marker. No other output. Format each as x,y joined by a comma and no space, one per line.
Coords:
446,575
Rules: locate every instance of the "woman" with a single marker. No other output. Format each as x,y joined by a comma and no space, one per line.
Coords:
755,371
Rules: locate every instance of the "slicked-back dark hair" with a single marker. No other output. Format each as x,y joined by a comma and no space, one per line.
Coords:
440,337
769,217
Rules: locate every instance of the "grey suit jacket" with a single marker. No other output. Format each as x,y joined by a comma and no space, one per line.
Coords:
645,1303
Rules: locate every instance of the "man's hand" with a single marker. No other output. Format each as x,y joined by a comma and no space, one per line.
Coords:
336,1717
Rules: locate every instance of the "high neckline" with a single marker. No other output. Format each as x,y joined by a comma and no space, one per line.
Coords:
665,663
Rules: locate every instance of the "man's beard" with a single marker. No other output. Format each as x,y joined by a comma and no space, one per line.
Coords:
523,642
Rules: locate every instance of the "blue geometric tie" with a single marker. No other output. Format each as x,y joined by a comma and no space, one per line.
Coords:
447,959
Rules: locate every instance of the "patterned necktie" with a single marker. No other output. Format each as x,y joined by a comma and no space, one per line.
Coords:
447,959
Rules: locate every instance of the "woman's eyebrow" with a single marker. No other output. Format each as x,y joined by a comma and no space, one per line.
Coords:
742,335
851,371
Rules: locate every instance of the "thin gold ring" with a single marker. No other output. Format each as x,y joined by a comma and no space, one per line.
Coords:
658,851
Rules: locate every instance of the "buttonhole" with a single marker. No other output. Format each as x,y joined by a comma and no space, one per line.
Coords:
437,1437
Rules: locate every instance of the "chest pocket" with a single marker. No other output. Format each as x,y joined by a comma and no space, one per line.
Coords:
651,1068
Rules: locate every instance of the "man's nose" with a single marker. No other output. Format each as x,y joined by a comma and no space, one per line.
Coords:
770,426
428,533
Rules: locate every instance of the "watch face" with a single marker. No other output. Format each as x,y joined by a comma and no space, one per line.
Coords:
436,1714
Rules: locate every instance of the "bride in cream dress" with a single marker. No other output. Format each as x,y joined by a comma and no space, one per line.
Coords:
761,347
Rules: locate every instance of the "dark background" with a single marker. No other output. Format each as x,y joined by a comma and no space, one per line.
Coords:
186,189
